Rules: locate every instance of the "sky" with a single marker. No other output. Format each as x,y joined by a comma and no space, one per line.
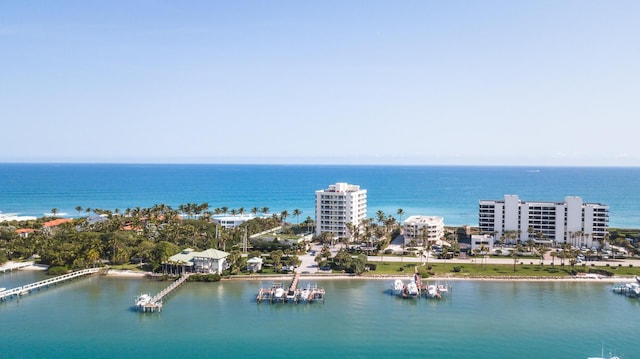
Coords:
321,82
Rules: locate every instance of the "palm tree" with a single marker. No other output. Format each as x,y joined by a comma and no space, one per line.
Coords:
297,213
79,209
309,223
265,210
484,250
380,216
254,211
400,213
283,215
54,211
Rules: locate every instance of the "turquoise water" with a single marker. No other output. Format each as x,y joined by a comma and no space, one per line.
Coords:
92,317
452,192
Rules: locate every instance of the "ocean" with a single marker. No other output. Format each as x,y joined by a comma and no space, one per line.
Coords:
452,192
93,318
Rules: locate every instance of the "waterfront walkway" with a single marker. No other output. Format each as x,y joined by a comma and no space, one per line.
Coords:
27,288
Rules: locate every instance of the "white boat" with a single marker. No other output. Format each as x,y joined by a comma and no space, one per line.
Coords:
432,291
638,279
142,300
410,290
397,286
603,357
279,293
305,294
443,288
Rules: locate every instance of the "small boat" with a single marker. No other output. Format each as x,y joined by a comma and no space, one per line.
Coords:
638,279
432,291
443,288
397,286
603,357
410,290
142,300
305,294
278,292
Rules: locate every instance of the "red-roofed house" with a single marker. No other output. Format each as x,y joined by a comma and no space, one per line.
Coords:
48,227
56,222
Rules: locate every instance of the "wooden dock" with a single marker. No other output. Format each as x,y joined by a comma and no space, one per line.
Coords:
156,302
27,288
292,295
627,289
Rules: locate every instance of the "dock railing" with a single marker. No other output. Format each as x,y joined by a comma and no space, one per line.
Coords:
9,293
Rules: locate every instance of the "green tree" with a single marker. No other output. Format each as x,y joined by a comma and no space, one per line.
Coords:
400,213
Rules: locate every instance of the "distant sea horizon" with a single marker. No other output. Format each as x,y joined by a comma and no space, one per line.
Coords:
450,191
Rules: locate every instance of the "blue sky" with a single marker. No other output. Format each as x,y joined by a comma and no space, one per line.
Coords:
369,82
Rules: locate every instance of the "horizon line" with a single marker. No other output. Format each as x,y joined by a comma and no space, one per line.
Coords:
381,164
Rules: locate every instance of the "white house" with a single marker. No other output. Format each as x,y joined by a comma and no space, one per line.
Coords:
231,222
480,240
209,261
254,264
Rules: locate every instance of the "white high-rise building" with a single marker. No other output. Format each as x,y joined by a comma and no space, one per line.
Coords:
423,227
338,205
572,221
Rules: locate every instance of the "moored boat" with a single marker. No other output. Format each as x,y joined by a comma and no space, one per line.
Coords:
432,291
142,300
397,286
410,290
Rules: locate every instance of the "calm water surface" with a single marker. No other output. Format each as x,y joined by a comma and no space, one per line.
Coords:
93,317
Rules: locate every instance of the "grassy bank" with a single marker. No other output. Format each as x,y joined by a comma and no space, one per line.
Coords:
497,270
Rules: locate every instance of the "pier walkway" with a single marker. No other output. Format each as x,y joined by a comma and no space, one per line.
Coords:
156,302
27,288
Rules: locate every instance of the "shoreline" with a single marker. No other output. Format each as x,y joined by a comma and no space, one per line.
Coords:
119,273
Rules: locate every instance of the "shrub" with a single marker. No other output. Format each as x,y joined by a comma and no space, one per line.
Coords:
57,270
204,278
457,269
372,266
630,265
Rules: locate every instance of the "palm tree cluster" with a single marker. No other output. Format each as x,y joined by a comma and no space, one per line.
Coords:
138,235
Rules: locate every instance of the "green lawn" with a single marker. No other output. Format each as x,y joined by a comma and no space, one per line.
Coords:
493,270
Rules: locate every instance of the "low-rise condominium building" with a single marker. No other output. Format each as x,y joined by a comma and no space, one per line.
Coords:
573,221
